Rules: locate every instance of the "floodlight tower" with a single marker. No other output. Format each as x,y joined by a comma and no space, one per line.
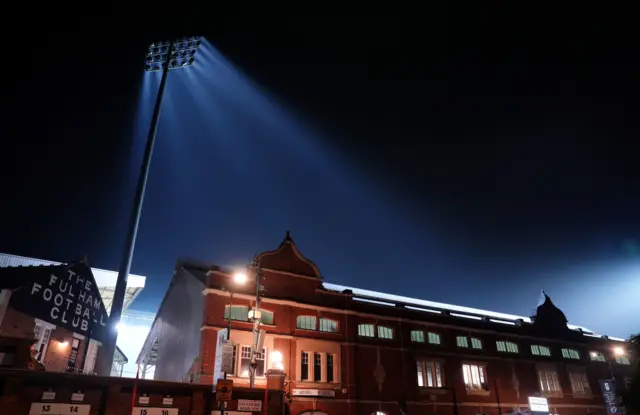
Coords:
161,56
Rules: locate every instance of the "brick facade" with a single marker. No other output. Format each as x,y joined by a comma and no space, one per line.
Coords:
374,374
58,348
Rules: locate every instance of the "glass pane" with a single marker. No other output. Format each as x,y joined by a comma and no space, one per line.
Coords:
267,317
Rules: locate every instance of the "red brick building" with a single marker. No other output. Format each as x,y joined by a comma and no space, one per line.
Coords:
349,351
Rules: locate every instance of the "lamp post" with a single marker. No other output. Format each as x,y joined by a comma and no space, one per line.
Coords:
161,56
239,278
255,316
617,351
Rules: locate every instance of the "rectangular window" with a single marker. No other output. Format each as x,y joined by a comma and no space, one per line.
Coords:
266,317
549,380
238,312
417,336
475,377
304,366
366,330
570,354
507,347
245,361
329,326
476,343
329,367
434,338
233,361
317,367
430,374
461,341
579,383
385,332
623,360
306,322
540,350
597,357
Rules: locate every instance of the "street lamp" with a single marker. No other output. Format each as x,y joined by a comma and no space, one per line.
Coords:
239,278
161,56
255,273
617,351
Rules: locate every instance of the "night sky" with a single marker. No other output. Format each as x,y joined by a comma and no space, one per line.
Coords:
469,164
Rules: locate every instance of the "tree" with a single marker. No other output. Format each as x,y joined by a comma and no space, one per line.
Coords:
631,395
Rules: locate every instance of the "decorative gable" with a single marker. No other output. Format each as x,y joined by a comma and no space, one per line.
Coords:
287,258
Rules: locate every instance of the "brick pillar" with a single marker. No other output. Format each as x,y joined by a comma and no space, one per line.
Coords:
208,342
198,403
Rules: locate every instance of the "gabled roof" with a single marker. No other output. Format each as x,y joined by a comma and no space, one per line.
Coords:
106,280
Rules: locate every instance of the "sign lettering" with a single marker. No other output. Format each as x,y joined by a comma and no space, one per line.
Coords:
249,405
64,295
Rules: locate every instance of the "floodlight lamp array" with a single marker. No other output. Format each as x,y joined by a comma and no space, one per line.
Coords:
182,54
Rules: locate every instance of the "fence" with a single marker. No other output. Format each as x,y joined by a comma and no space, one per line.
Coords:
45,393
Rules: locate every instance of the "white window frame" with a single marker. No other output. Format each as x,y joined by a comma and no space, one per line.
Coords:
240,358
597,357
462,341
228,312
434,338
539,350
417,336
506,346
309,357
383,331
579,380
42,332
476,343
473,375
366,330
571,354
324,367
549,380
306,318
430,368
324,323
623,360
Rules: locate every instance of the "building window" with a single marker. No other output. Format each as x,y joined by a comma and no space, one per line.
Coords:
570,354
417,336
430,374
233,361
317,367
306,322
540,350
434,338
507,347
597,357
238,312
329,367
327,325
476,343
385,332
266,317
549,381
366,330
462,341
475,377
623,360
304,366
245,361
579,383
